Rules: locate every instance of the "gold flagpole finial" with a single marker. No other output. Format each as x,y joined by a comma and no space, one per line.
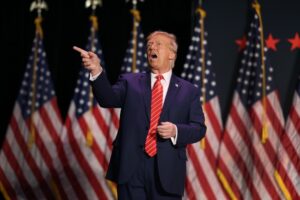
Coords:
38,5
134,3
200,2
93,4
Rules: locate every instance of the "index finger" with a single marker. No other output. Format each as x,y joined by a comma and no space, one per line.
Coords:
83,52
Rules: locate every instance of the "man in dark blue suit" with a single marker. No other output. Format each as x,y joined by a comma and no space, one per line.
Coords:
148,160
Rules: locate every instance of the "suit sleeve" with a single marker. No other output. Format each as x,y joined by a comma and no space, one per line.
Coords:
195,129
107,95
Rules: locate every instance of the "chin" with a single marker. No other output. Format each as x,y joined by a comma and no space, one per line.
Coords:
153,66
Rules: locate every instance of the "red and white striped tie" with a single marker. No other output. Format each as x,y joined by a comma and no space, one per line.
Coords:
156,108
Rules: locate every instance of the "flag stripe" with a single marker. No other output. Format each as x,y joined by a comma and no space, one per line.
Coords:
5,181
294,117
270,153
71,175
48,112
47,125
289,156
89,130
189,190
73,149
288,165
104,127
200,174
95,148
289,171
223,166
11,174
29,139
29,158
214,119
55,113
242,131
17,168
115,117
83,162
291,143
102,140
194,182
261,157
198,70
292,154
255,114
66,169
207,158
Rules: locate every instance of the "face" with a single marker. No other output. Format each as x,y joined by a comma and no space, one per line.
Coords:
159,53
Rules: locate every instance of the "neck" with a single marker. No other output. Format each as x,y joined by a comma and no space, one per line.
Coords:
160,71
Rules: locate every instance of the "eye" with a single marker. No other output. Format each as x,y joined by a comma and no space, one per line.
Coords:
149,45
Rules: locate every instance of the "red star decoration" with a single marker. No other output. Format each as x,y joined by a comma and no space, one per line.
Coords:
272,42
295,42
241,43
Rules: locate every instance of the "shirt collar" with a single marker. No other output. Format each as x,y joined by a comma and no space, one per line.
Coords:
167,76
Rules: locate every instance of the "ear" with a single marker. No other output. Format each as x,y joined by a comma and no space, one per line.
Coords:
172,55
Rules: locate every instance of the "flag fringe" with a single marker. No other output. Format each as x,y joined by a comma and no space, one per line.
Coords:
3,191
282,186
265,134
113,189
55,190
89,139
226,185
202,143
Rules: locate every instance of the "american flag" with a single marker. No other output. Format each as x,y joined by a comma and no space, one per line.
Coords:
288,171
254,126
202,181
135,59
88,135
29,156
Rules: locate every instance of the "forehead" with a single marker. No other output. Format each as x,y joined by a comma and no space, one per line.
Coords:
158,37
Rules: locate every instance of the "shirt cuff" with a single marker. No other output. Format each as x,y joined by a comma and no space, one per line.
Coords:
92,78
174,139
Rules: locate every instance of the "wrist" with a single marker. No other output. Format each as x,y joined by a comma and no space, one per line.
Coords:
96,71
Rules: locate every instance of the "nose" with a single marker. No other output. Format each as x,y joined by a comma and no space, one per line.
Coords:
151,46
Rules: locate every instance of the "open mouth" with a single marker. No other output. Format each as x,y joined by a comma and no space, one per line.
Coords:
153,56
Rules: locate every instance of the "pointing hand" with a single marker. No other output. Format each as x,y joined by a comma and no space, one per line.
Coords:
89,60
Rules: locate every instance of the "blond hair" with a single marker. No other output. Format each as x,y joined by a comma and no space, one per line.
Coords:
173,41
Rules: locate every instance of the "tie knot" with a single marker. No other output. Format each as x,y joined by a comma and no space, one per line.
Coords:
159,77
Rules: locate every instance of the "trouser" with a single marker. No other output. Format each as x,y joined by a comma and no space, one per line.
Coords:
145,183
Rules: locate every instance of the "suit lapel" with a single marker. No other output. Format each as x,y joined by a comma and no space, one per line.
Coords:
145,83
171,95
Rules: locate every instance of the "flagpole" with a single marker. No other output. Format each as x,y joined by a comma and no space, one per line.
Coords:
93,4
95,27
37,5
264,136
136,19
202,14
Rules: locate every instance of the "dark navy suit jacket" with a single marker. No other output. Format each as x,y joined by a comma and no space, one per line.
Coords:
182,106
